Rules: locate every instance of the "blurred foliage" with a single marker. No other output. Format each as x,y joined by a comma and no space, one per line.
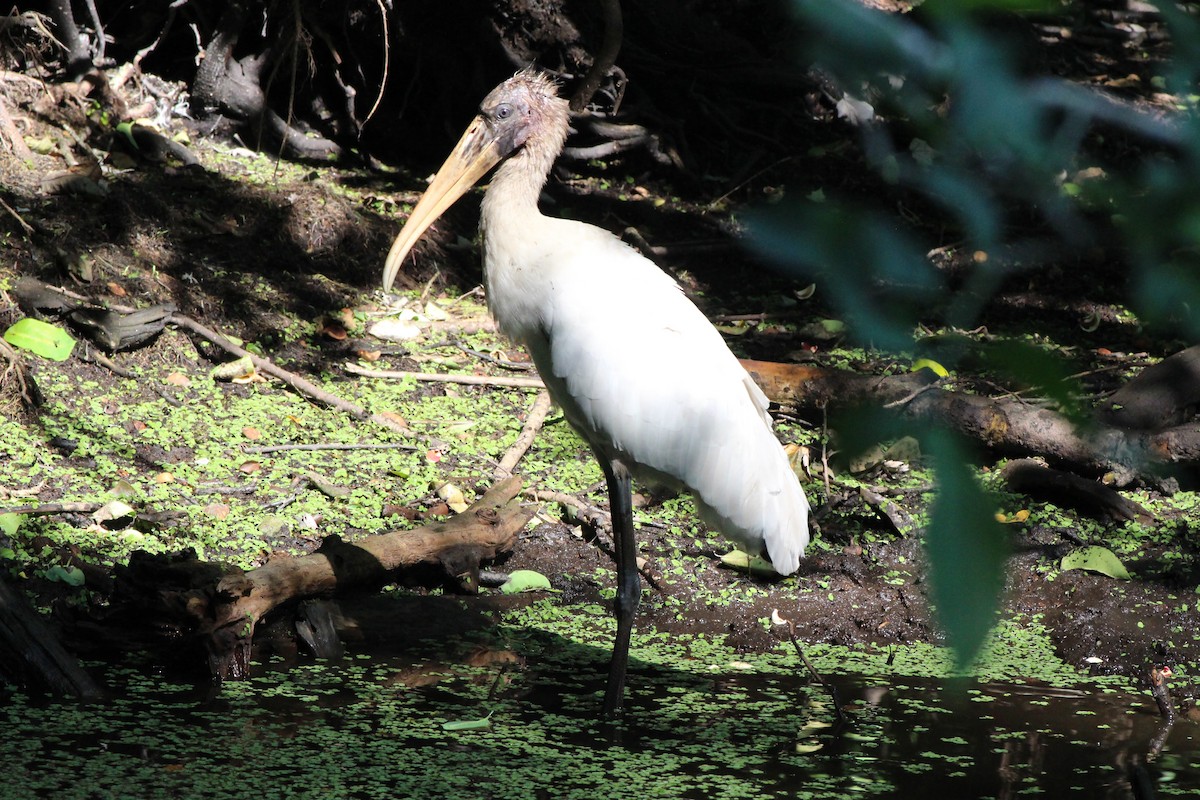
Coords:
967,550
963,124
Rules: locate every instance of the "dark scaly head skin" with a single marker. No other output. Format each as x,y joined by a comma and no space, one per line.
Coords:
515,109
527,119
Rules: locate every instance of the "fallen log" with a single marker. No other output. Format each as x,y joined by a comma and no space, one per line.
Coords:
1006,426
808,387
230,612
1160,396
1030,477
187,599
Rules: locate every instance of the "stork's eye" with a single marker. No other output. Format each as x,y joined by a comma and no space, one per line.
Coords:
504,111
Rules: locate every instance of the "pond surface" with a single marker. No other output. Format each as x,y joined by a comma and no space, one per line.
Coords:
700,723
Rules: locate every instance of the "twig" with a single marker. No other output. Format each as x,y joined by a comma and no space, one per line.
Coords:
250,487
491,359
469,380
47,509
765,169
14,370
91,354
913,395
584,512
825,448
32,491
606,54
263,365
533,423
278,448
1161,691
387,51
15,141
900,519
172,9
25,226
437,273
829,687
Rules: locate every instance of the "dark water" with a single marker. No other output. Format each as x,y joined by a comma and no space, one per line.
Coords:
374,727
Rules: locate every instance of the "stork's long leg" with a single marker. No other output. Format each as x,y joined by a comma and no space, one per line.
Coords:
629,585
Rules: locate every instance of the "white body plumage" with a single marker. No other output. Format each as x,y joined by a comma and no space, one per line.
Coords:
641,373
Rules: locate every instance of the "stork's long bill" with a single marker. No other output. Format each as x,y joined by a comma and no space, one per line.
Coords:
476,152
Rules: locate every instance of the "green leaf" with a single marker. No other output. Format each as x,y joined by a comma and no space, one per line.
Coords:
42,338
1096,559
525,580
9,523
930,364
469,724
967,550
72,576
744,561
126,130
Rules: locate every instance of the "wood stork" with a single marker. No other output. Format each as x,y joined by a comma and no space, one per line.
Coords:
638,370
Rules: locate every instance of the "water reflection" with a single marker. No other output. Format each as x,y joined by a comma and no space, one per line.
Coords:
375,727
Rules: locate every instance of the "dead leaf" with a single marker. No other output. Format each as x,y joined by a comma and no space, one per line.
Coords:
394,510
178,379
486,657
217,510
333,329
326,486
112,510
394,330
233,370
251,433
250,467
392,416
453,496
855,111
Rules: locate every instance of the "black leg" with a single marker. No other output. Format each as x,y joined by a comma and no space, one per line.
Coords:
629,586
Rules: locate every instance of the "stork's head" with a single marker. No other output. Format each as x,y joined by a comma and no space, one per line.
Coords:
522,118
525,108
